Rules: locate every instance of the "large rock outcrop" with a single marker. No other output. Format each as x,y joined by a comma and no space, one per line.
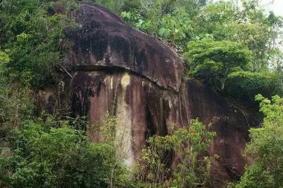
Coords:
125,73
120,71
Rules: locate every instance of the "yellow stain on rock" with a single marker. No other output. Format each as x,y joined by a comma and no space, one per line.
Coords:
111,83
125,81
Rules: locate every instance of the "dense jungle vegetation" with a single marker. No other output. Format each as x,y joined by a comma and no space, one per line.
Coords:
234,49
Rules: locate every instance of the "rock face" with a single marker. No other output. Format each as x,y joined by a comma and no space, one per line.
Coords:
123,72
230,121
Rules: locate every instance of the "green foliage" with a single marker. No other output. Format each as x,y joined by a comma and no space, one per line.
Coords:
170,20
137,20
4,57
266,148
15,102
245,85
249,26
43,156
113,5
15,106
174,27
214,60
256,37
188,144
247,31
214,19
35,39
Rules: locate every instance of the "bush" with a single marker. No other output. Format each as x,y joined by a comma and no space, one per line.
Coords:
189,146
265,148
59,157
15,102
34,38
246,85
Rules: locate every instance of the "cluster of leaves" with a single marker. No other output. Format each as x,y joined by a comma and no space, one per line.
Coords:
245,84
251,30
170,20
215,60
4,57
265,148
44,155
15,102
189,146
31,32
175,26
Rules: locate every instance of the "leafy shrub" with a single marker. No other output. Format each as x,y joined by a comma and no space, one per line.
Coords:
34,38
265,148
59,157
246,85
15,102
4,58
213,61
189,146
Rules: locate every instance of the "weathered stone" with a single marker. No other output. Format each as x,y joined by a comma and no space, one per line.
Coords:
141,107
231,123
123,72
102,40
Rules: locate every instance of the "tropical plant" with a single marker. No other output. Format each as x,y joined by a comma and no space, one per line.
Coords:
189,146
265,148
214,60
44,156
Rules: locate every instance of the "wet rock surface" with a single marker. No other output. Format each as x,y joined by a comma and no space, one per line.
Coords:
119,71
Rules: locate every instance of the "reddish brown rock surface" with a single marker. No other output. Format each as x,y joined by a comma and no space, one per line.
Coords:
230,121
123,72
102,40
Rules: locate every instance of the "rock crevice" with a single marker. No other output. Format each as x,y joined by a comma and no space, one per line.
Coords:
117,69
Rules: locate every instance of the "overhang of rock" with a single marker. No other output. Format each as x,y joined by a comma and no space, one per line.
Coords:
102,41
